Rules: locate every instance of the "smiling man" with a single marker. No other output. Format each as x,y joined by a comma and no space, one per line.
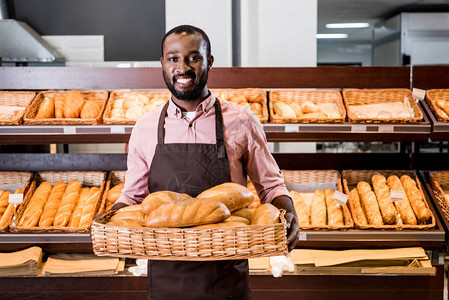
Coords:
191,144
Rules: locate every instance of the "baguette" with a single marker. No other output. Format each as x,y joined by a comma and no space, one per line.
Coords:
318,212
68,202
76,215
46,109
369,203
382,192
9,210
114,193
169,209
52,204
36,205
416,198
334,211
89,207
403,206
233,195
354,201
4,199
300,208
266,214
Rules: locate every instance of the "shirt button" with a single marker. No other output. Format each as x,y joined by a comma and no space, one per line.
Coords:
190,125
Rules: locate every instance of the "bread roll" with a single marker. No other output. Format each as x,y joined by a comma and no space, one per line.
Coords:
169,209
91,110
36,205
46,109
257,108
117,113
317,115
77,212
52,204
354,201
300,208
255,96
89,207
296,108
237,219
403,206
125,223
118,103
369,203
282,109
114,193
233,195
68,202
382,192
334,210
74,102
4,199
309,107
243,212
266,214
134,113
59,106
416,198
318,211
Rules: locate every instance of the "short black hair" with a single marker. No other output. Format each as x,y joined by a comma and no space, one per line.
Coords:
189,29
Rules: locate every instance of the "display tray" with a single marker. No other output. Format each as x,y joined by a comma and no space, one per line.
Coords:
440,130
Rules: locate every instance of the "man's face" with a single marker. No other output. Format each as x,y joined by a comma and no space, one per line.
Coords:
185,65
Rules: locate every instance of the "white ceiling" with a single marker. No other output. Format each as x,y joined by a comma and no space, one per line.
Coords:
371,11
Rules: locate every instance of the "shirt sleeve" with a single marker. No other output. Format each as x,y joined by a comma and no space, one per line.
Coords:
261,167
136,176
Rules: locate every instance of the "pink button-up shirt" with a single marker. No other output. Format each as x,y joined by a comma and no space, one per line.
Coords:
245,142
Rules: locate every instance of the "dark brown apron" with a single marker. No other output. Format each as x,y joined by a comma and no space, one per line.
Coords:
191,169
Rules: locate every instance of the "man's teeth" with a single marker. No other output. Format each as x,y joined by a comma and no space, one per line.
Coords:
184,80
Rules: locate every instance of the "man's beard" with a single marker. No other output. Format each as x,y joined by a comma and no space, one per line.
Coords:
188,95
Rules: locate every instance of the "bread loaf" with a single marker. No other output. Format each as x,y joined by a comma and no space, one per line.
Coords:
257,108
382,192
74,102
403,206
52,204
354,201
233,195
91,110
89,207
416,198
243,212
36,205
59,106
282,109
297,109
46,109
317,115
68,202
255,96
237,219
114,193
300,208
4,199
78,210
7,215
334,210
369,203
318,211
130,208
136,215
169,209
225,224
266,214
309,107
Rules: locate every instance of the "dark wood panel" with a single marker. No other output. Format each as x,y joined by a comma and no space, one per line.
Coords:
431,77
40,78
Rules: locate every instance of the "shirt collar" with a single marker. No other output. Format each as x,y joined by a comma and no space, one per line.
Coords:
173,111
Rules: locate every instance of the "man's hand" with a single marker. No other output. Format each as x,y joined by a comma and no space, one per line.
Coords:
114,207
286,203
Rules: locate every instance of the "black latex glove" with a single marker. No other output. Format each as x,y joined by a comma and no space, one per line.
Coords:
286,203
114,207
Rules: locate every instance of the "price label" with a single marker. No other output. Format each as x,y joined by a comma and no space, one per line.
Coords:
302,236
69,129
15,198
358,128
386,128
397,195
340,197
117,129
419,94
291,128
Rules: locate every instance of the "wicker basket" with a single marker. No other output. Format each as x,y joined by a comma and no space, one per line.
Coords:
123,94
12,180
188,244
356,97
432,97
310,178
228,94
352,177
440,183
87,179
15,99
33,107
300,96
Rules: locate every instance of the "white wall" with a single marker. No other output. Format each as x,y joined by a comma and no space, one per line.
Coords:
344,52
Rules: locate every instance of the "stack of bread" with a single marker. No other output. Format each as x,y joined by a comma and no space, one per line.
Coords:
69,105
221,206
374,206
6,208
305,110
60,205
319,212
132,106
248,98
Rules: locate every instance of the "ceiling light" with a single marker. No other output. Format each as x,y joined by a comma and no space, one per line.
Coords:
331,36
347,25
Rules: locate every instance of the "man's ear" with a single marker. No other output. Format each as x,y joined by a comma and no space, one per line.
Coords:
161,60
210,61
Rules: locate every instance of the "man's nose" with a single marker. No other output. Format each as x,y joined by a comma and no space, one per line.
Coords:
183,67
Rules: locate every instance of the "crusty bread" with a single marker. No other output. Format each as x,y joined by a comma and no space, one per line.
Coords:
237,219
416,198
382,192
282,109
318,211
403,206
89,207
265,214
46,109
91,110
369,203
78,210
334,210
354,201
68,202
74,102
4,198
243,212
225,224
52,204
233,195
36,205
300,208
59,106
114,193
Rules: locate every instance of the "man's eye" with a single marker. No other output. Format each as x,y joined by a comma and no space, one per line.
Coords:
172,59
195,58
